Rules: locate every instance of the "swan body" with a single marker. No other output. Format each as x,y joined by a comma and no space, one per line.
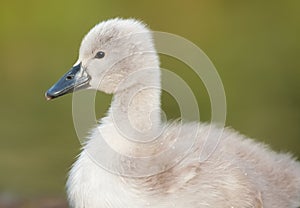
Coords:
118,56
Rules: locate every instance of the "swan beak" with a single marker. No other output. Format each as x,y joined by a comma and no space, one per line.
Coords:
73,80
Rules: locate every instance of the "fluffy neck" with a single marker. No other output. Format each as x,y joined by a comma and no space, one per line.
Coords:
134,117
135,112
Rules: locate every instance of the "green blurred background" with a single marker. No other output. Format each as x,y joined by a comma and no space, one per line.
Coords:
255,45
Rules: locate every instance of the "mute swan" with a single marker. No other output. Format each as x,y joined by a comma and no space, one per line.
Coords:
118,57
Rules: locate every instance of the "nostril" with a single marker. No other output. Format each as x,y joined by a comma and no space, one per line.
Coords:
69,77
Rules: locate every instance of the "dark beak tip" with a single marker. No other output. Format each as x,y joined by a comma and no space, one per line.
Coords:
68,83
48,96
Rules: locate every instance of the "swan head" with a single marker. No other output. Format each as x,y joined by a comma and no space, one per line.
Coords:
115,55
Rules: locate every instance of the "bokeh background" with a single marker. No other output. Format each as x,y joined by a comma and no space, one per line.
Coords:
254,45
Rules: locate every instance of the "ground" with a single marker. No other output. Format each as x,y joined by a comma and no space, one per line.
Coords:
42,202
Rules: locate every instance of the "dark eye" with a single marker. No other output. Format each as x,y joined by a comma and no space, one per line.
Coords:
99,54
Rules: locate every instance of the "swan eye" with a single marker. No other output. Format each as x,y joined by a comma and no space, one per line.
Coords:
99,54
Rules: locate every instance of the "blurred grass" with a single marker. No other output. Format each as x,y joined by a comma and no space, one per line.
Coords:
253,44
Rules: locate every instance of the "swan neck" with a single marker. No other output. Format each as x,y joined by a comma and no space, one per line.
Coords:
136,110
